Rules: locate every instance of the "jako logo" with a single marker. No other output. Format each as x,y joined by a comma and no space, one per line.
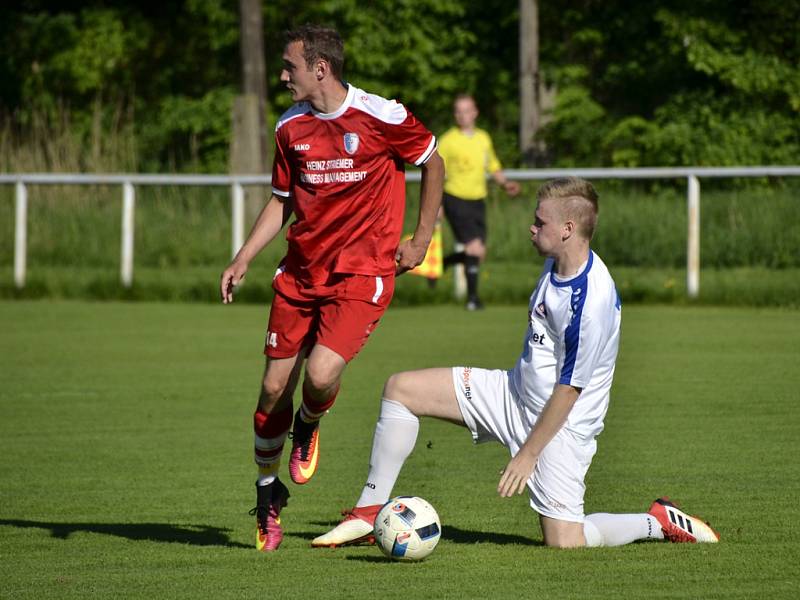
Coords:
301,147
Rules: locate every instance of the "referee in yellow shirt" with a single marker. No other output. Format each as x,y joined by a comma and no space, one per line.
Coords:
468,155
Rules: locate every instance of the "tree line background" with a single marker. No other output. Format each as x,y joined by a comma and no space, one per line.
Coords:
149,86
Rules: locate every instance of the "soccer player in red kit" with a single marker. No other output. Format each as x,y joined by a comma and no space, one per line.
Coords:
339,169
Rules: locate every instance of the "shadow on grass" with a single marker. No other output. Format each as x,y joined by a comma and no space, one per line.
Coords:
377,559
449,533
195,535
462,536
466,536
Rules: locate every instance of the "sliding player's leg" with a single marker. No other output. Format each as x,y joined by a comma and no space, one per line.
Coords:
557,490
664,521
406,396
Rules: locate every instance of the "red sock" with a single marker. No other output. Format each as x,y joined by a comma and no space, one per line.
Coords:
270,431
311,410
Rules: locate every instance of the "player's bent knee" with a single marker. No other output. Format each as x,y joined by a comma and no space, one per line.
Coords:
322,377
397,388
273,388
391,389
562,534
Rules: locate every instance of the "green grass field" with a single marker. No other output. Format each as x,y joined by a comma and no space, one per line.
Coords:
126,459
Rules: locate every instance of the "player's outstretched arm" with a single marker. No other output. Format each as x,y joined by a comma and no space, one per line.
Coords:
269,222
554,415
512,188
411,252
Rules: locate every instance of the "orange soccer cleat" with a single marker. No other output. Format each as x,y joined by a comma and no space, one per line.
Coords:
305,450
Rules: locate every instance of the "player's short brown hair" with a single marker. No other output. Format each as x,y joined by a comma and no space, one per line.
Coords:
579,201
319,43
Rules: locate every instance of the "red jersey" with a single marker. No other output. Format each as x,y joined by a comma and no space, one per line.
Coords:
344,172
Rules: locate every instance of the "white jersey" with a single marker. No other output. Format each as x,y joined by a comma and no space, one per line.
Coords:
572,338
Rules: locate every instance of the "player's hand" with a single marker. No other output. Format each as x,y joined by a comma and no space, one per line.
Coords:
512,188
516,474
410,253
231,277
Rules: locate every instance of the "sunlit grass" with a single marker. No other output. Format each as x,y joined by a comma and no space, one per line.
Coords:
125,431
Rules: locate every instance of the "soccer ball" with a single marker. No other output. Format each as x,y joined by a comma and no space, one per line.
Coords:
407,528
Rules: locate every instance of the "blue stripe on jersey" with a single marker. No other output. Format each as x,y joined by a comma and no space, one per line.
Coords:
572,334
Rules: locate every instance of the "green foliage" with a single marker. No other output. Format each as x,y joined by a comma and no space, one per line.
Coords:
93,53
700,84
162,77
73,56
711,82
419,51
577,126
190,132
715,49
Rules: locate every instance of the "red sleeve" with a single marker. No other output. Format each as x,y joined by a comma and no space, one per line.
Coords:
410,140
281,168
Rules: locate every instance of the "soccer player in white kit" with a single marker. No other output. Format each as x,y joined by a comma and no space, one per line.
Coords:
547,410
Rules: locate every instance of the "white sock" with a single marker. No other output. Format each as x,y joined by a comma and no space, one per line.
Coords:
265,479
394,439
605,529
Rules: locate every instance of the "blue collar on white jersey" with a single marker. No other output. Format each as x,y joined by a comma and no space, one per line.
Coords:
570,282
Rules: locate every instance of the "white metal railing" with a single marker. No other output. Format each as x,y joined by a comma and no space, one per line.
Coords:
237,183
127,181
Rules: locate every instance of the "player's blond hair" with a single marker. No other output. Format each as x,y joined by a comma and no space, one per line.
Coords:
578,201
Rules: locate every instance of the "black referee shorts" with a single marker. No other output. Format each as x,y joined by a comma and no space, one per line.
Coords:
466,217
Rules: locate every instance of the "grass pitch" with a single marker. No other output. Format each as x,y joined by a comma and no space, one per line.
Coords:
126,459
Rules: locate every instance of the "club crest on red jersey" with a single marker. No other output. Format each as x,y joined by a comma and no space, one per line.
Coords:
351,142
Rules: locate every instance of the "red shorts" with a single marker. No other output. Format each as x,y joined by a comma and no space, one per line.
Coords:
340,315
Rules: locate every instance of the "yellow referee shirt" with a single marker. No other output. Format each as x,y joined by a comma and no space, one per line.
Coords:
467,159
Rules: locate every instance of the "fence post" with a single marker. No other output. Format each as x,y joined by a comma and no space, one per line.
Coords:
20,234
126,260
693,237
237,217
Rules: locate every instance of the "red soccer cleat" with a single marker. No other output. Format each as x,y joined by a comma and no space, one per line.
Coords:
355,528
678,526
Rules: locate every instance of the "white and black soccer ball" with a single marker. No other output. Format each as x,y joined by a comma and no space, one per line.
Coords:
407,528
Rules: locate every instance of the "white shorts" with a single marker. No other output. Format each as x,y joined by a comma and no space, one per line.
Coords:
492,413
